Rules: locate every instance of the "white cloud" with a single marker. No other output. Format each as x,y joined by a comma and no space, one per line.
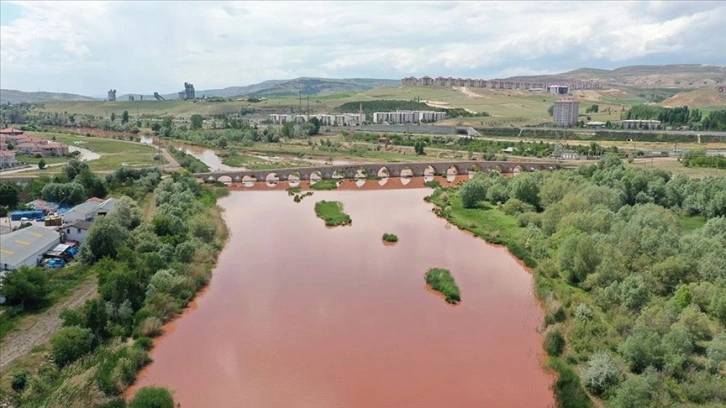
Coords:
88,47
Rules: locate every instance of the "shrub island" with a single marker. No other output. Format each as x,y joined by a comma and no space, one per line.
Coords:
441,280
388,237
332,213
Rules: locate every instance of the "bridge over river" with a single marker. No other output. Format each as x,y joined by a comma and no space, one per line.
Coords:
363,170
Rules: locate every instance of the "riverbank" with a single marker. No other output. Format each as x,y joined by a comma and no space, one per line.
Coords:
632,316
494,226
157,266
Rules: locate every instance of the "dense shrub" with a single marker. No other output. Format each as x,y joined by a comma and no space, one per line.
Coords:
152,397
70,343
25,287
554,342
602,373
473,192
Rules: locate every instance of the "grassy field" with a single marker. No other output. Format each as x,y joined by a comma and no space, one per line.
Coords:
674,166
332,213
255,163
114,153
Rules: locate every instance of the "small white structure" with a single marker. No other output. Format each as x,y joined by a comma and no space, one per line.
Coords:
76,231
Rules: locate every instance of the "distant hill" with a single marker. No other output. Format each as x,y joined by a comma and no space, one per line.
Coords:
308,86
687,76
13,96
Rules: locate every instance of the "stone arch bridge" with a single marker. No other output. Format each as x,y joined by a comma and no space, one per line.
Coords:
354,171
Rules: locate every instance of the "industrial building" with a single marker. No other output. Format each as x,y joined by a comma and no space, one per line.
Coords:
89,210
26,246
565,113
558,89
112,95
188,92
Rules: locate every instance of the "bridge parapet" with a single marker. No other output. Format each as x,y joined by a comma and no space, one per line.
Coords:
373,169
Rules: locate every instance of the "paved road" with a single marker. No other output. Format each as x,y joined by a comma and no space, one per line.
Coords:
86,155
665,132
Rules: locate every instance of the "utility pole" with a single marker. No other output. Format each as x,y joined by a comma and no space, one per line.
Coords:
299,104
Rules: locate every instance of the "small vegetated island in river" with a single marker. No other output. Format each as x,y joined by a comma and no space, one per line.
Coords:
332,213
441,280
388,237
325,185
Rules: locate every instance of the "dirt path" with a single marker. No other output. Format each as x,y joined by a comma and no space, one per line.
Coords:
172,164
467,92
37,329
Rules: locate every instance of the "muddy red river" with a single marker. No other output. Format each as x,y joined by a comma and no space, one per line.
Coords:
300,315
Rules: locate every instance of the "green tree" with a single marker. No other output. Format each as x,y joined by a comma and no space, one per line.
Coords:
472,192
70,343
125,117
113,116
74,167
104,238
127,213
96,318
525,188
601,373
118,283
641,349
197,121
315,129
25,287
41,164
635,391
94,185
8,194
152,397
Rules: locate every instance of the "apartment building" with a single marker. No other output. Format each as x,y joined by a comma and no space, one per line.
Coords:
408,116
565,112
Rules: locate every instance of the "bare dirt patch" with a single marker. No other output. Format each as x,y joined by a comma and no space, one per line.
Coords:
37,329
468,92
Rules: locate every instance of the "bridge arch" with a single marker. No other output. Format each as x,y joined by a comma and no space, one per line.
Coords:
315,176
383,172
338,174
272,179
225,179
293,179
361,173
406,172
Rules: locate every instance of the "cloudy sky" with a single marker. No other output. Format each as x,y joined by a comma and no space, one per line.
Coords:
89,47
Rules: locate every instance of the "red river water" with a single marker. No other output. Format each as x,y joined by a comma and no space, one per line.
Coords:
301,315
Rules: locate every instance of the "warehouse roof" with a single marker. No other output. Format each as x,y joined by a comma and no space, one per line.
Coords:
17,246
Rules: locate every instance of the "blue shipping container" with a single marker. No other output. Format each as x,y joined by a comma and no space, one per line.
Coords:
31,215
